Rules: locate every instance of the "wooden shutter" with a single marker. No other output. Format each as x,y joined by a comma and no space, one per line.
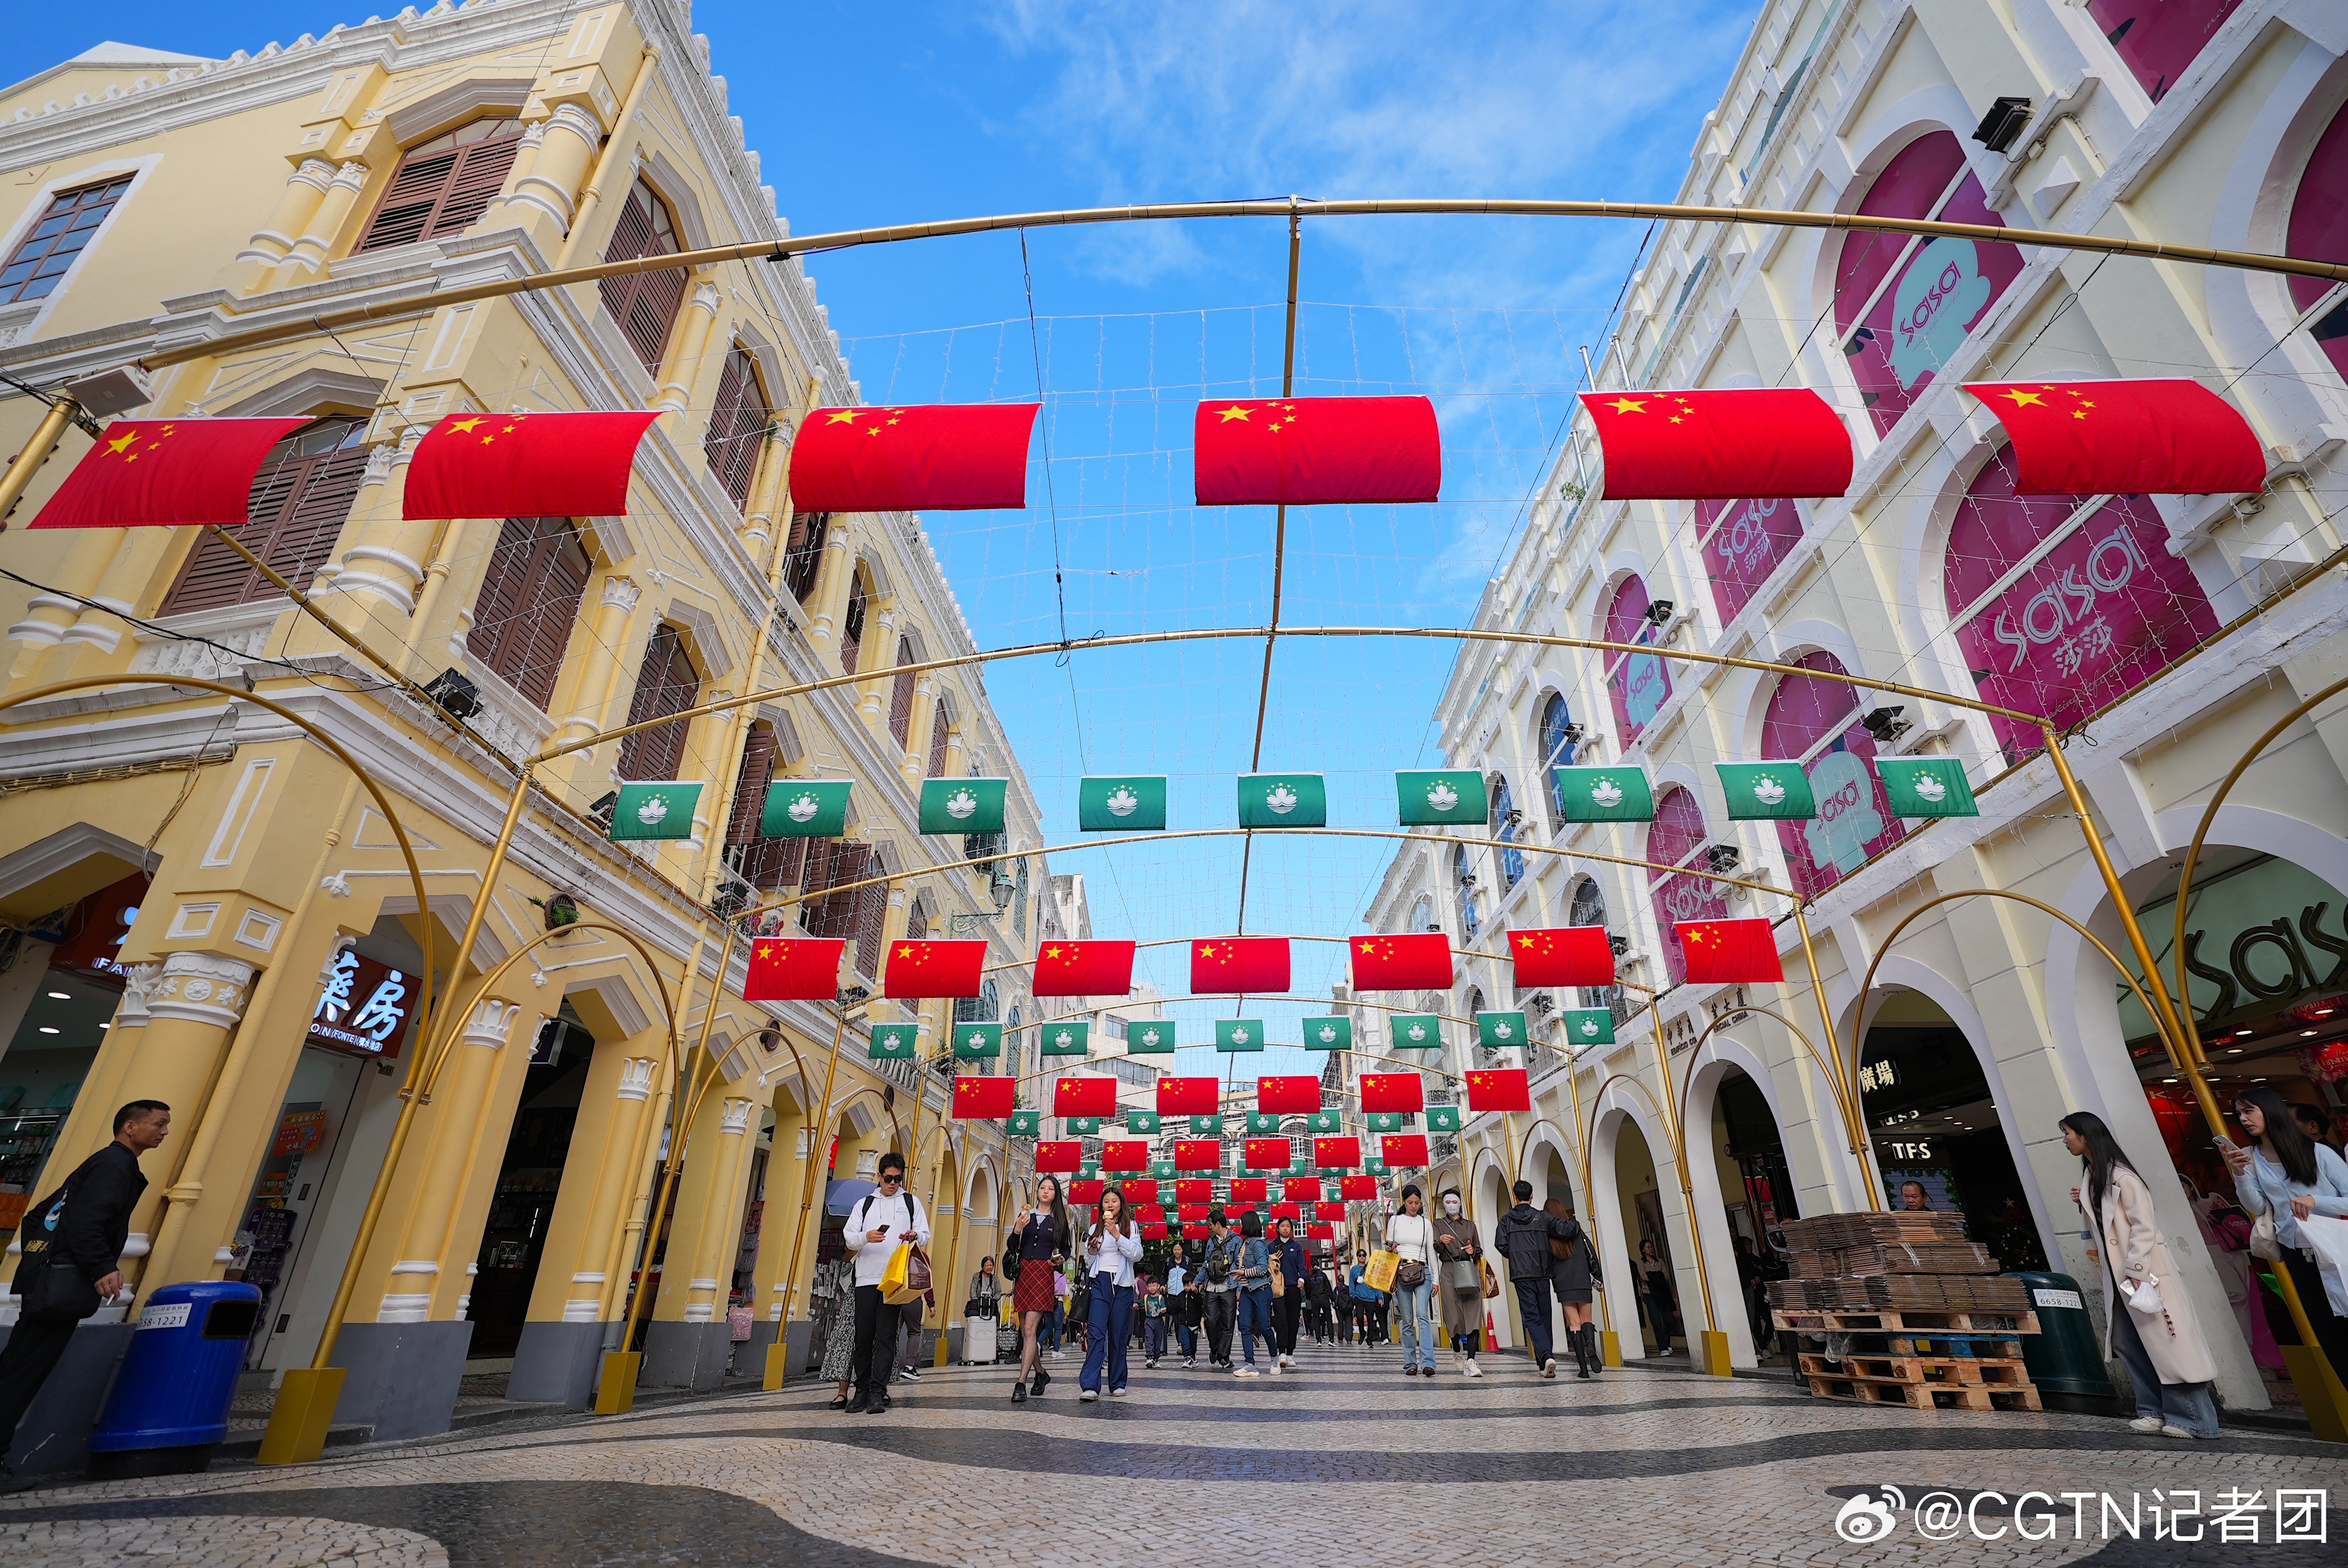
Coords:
803,553
873,910
665,683
764,862
295,512
644,304
444,186
900,698
831,863
917,922
528,604
737,427
939,739
852,632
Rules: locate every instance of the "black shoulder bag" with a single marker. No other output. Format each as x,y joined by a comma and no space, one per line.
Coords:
55,1290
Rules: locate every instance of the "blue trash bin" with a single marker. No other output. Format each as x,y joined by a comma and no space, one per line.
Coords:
167,1409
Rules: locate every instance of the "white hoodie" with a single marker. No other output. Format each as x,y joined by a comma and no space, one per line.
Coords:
902,1214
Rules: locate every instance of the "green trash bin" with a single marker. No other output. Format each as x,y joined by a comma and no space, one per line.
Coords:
2065,1360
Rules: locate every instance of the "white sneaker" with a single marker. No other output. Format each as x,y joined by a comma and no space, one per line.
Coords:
1286,1360
1116,1393
1473,1370
1245,1371
1088,1396
1274,1367
2146,1425
2173,1431
1549,1368
1190,1361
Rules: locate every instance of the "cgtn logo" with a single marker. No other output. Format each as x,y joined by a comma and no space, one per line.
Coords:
1869,1516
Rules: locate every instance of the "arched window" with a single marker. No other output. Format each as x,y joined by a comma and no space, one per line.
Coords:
1504,828
2319,231
1463,873
917,921
1638,683
1019,902
644,304
2157,39
1422,915
1557,751
803,552
1904,304
852,627
2099,605
766,864
667,682
295,513
1816,722
1743,542
527,603
443,186
982,1008
1588,907
941,739
738,426
900,696
1677,837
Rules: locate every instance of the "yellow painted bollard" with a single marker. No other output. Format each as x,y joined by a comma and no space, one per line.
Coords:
616,1391
1610,1345
298,1422
778,1358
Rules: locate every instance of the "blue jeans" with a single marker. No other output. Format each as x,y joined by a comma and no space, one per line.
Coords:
1153,1338
2186,1404
1412,1306
1255,1317
1047,1329
1532,1307
1112,1334
1188,1337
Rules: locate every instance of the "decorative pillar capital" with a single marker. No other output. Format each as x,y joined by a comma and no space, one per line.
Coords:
621,593
737,1117
636,1078
492,1022
138,988
201,987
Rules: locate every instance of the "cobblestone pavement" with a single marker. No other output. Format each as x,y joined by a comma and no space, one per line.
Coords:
1344,1462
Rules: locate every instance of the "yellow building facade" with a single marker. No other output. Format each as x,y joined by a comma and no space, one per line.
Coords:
266,985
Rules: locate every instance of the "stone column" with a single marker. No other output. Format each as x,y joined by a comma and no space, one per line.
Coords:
544,198
383,561
877,659
797,1151
917,733
197,1001
599,658
686,1345
767,517
305,191
832,585
48,616
688,345
307,255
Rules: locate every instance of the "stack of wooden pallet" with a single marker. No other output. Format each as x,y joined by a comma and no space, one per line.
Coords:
1912,1314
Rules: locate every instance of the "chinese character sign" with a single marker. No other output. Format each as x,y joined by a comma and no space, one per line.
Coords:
1742,543
363,1007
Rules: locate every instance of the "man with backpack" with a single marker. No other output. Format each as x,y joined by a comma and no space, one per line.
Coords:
883,1219
1219,1287
72,1241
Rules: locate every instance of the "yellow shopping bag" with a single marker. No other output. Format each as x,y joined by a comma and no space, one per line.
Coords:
892,1278
1383,1263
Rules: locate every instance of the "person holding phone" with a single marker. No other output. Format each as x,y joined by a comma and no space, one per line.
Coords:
1288,1307
1039,1242
1253,1278
884,1220
2289,1177
1112,1247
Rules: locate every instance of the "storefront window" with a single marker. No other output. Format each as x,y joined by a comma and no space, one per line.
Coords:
1638,683
2319,232
1818,721
1677,837
2157,39
1743,542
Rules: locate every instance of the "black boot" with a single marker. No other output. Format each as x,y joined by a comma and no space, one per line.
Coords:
1596,1351
1580,1355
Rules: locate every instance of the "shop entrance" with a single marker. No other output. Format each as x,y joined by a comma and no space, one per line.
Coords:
1654,1284
514,1238
1938,1138
1756,1194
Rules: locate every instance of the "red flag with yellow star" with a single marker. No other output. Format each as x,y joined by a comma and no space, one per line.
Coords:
2161,438
1357,1189
931,457
1250,1189
1729,952
1084,1096
1300,1189
980,1098
1393,1092
1198,1154
1411,961
1239,965
1188,1096
796,969
1299,1095
1744,444
1299,451
1335,1154
166,473
1500,1089
1057,1156
1125,1154
1267,1153
918,969
1192,1213
1140,1191
1328,1211
1402,1151
1084,969
1193,1189
1563,956
524,466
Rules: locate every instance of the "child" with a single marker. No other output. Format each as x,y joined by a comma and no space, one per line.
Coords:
1153,1312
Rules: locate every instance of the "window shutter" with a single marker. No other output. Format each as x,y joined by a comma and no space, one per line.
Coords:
917,923
831,863
803,553
750,784
736,427
666,684
938,742
873,909
295,513
852,632
528,604
901,699
644,304
443,188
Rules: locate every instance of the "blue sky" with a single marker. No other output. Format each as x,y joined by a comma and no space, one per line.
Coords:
867,114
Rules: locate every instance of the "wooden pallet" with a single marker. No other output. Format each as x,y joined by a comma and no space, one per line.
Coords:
1941,1371
1924,1395
1916,1321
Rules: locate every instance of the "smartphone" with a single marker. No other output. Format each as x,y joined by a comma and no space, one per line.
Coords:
2224,1142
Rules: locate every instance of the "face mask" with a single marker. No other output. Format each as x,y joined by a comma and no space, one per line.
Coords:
1451,1207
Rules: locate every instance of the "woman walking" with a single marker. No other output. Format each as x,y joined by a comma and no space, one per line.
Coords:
2150,1315
1459,1282
1112,1247
837,1281
1570,1274
1038,1246
1288,1305
1253,1278
2289,1176
1662,1312
1410,1235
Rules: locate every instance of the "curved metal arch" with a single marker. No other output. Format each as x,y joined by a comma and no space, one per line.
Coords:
1852,1128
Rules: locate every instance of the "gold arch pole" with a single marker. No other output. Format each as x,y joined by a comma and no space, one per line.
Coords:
1610,1344
817,1134
1714,1344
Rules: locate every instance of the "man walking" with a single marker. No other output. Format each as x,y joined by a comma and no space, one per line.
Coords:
883,1219
1215,1272
1522,1237
72,1243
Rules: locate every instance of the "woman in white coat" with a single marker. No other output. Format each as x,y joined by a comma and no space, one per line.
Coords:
2151,1324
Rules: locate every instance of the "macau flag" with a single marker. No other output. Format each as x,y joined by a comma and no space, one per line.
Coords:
1605,794
1763,792
1589,1026
805,808
1141,1121
1443,1118
1263,1122
1024,1124
1238,1034
1284,800
1432,799
654,810
894,1041
1121,805
1324,1121
1500,1030
1207,1126
963,805
1149,1037
976,1041
1926,786
1385,1120
1418,1032
1067,1037
1328,1034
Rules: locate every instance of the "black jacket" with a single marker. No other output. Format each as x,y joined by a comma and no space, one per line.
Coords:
1522,1237
96,1225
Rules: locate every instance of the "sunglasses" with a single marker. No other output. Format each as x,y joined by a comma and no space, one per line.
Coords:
890,1178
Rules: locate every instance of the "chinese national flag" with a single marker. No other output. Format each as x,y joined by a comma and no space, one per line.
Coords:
1743,445
1234,966
1500,1089
1055,1155
1187,1096
1250,1189
1149,1214
1125,1154
918,969
1299,1096
1153,1232
2164,437
1393,1092
1563,956
1729,952
1087,1193
1198,1154
1332,1211
1415,961
1190,1213
1334,1152
1321,1232
1288,1211
1267,1153
524,466
1084,969
1144,1191
1300,1189
1404,1149
165,473
978,1097
1193,1189
794,969
1357,1188
1299,451
1086,1096
934,457
1194,1233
